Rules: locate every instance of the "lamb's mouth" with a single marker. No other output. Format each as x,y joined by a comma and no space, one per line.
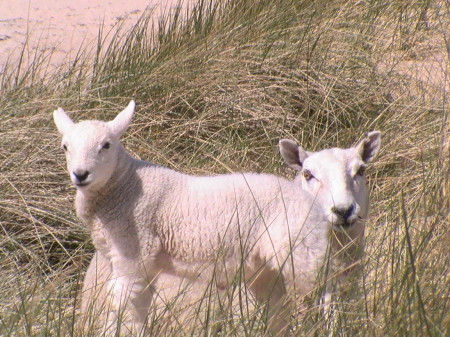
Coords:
346,223
83,184
343,224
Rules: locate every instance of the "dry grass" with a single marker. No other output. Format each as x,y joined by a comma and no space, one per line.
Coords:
216,89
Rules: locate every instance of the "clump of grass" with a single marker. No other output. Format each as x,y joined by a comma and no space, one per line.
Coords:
216,87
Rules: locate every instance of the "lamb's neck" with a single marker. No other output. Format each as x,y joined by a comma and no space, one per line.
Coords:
347,248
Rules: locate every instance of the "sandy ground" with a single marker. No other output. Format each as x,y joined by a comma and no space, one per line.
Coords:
62,26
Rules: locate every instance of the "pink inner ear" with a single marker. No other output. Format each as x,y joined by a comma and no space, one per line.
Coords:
290,153
369,147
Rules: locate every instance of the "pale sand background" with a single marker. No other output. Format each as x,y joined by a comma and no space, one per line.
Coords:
62,26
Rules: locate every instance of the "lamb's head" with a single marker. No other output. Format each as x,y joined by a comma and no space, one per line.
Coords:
335,178
92,147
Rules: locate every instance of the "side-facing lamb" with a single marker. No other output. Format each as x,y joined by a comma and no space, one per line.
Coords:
146,220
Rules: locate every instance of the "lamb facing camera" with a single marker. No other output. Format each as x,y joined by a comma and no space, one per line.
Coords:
149,222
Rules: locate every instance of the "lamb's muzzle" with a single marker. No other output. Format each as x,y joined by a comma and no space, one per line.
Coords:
81,177
344,215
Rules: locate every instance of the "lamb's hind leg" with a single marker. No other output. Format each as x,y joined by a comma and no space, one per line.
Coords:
268,287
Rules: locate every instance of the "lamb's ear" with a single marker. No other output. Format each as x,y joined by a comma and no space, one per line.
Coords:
62,121
369,147
120,124
292,154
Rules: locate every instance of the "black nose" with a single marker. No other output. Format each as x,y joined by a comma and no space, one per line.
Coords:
81,176
344,213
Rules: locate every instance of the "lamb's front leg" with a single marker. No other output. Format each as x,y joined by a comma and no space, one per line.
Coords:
131,298
268,286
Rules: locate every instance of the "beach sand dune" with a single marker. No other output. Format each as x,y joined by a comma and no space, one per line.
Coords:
60,27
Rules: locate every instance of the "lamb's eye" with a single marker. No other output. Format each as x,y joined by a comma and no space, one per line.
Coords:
361,171
64,147
307,174
106,145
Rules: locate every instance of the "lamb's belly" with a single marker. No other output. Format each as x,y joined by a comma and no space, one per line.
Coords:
215,260
197,255
221,272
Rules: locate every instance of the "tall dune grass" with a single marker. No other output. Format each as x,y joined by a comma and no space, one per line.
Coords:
216,87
